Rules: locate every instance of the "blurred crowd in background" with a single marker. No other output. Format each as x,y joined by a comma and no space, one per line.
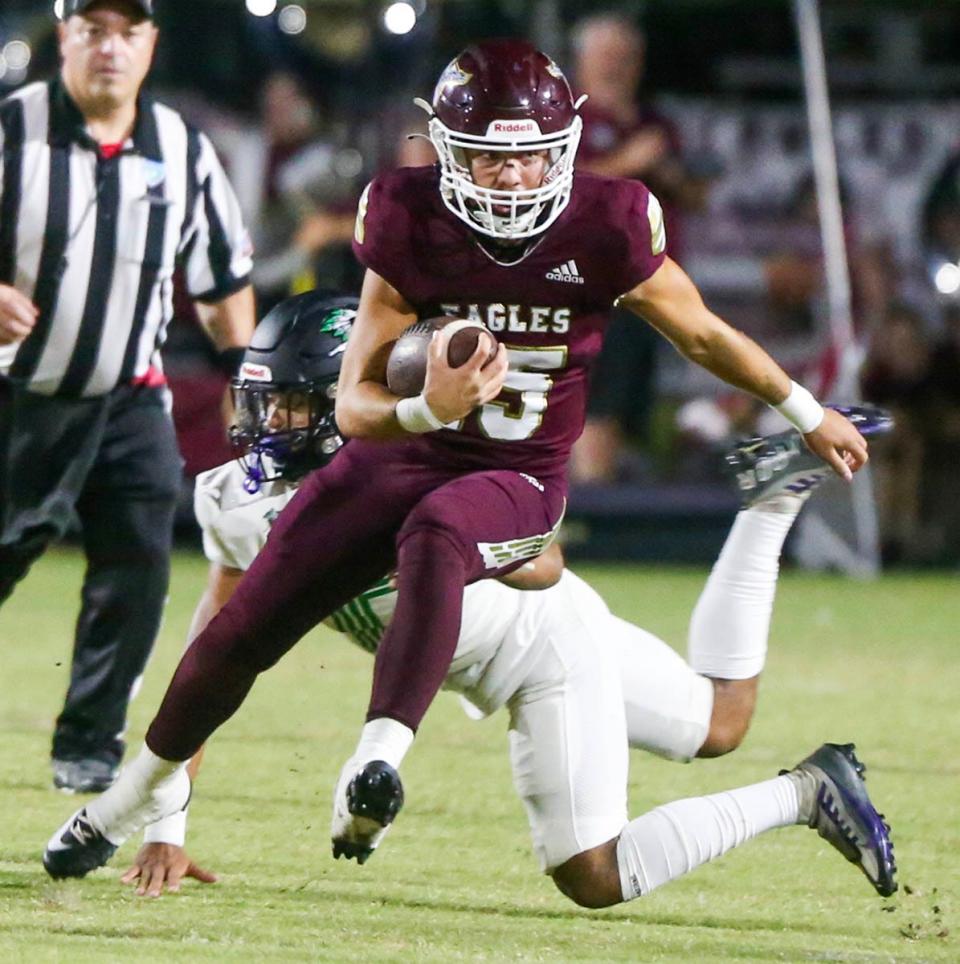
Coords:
307,101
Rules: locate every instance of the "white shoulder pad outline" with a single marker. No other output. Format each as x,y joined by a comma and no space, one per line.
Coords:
359,227
658,233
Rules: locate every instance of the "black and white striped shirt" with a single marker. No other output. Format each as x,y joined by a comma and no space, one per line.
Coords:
93,242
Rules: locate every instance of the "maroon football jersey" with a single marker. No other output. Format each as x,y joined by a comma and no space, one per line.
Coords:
550,309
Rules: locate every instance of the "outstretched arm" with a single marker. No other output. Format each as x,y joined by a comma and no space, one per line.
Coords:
162,862
671,303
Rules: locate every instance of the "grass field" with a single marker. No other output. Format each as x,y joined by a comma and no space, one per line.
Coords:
456,880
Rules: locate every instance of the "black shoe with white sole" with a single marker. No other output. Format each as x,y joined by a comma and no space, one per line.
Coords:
76,848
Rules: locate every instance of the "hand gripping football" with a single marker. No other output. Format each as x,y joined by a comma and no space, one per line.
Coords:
407,364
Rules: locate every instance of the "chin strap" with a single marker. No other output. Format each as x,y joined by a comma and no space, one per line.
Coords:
424,105
254,475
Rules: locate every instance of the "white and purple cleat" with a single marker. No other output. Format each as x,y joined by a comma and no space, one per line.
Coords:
834,802
762,468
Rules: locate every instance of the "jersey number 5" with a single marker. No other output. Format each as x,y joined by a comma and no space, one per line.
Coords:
517,412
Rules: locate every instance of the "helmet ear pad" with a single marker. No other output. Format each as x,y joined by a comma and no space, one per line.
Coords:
504,96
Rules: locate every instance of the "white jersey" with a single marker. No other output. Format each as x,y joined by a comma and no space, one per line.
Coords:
503,631
575,678
236,525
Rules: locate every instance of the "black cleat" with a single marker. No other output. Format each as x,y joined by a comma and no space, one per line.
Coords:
83,776
76,849
835,803
364,806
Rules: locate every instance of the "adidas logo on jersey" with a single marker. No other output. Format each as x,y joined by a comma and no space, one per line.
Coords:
567,271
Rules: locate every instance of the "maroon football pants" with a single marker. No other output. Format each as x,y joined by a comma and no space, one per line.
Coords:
373,506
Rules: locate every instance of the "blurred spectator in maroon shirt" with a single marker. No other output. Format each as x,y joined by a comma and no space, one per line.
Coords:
623,137
310,189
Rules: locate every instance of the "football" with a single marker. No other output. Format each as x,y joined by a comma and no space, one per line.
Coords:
407,364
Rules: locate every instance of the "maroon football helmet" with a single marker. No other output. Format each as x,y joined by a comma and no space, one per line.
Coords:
506,96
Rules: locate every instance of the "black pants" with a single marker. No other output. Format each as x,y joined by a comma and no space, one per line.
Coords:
113,462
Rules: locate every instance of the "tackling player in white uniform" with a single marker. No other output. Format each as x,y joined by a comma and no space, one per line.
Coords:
579,684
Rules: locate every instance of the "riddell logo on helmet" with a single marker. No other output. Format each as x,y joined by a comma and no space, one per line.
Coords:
502,127
256,373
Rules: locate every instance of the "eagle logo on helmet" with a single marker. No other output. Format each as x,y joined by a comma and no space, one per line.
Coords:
453,76
554,71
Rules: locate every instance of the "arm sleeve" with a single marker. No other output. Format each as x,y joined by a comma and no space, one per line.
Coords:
215,248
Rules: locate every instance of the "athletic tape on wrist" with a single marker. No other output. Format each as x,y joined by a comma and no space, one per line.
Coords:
169,830
414,415
801,409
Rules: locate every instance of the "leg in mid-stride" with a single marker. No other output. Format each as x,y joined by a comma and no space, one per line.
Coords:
284,594
599,710
673,708
825,791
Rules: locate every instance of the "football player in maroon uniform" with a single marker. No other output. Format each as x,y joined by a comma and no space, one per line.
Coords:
466,480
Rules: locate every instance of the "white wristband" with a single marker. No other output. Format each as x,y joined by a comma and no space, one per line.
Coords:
801,409
414,415
168,830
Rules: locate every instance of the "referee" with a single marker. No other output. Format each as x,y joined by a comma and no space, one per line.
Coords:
103,192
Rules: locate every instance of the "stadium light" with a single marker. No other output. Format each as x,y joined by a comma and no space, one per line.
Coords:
292,19
17,55
261,8
399,18
947,278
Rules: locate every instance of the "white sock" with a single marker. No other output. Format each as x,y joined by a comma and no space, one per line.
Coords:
147,789
673,839
667,704
384,739
731,621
